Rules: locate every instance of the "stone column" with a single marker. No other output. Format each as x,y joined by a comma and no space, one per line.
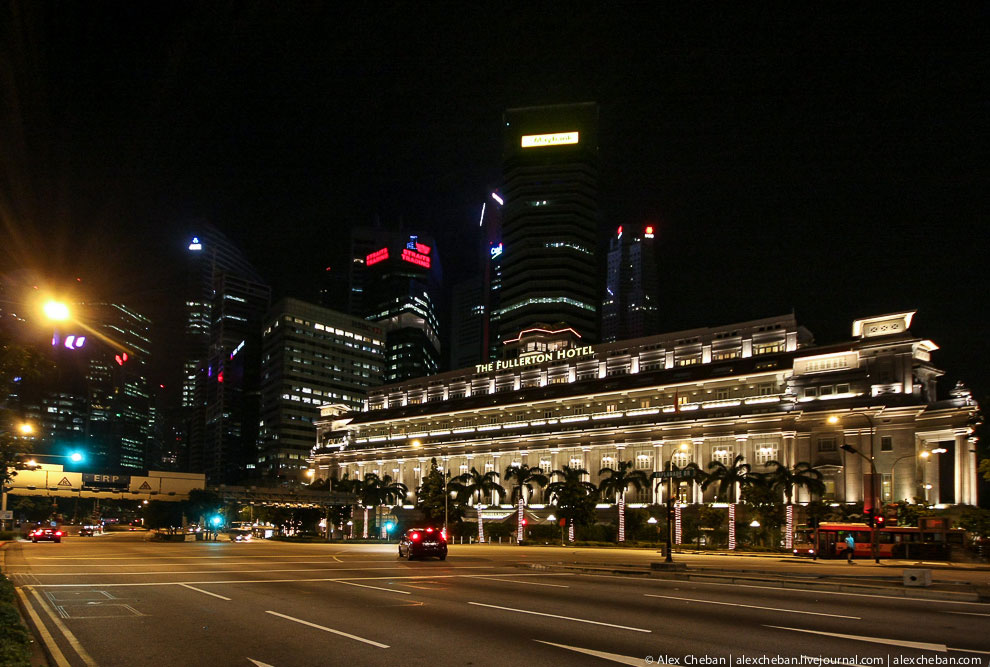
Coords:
698,456
657,489
961,474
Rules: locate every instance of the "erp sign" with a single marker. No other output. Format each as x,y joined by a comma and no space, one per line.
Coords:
107,481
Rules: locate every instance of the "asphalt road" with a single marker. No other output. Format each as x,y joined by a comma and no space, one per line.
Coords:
117,600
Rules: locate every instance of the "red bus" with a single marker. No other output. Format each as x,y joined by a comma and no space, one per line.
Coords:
933,540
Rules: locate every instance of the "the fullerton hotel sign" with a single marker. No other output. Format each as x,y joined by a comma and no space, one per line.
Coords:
533,359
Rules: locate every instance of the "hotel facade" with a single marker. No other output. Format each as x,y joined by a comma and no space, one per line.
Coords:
761,389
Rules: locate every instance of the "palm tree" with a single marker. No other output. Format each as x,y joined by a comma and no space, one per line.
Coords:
574,497
786,480
728,477
783,479
474,486
616,484
525,478
377,491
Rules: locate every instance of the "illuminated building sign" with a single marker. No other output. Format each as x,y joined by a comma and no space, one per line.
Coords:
496,250
556,355
648,233
537,140
417,258
195,245
377,256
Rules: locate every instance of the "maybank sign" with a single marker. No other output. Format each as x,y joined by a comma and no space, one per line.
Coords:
537,140
533,359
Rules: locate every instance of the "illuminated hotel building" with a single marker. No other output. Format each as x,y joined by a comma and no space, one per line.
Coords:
311,356
550,224
761,389
632,285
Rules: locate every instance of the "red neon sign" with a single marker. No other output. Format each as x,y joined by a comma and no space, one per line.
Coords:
416,258
377,256
423,249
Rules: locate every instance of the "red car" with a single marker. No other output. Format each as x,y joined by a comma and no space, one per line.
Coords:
50,534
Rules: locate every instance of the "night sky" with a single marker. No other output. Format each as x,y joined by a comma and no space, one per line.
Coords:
829,161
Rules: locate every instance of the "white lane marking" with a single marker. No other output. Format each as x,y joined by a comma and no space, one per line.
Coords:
964,613
200,590
566,618
614,657
249,581
753,606
326,629
377,588
941,648
510,581
69,637
46,636
288,569
684,582
258,663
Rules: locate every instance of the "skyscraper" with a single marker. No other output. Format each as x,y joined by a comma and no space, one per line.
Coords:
630,307
225,302
311,356
550,220
399,281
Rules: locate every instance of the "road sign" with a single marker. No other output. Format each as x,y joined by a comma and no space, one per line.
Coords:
687,473
7,515
107,481
145,487
65,482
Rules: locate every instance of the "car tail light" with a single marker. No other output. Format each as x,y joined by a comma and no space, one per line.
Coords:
443,534
58,533
414,537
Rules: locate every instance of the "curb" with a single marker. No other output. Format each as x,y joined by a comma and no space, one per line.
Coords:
976,595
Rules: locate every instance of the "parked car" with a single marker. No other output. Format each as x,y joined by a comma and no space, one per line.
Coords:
87,531
45,534
417,542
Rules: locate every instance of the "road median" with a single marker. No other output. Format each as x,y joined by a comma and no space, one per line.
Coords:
887,586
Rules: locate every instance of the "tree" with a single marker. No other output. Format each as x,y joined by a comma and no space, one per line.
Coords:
728,477
378,491
474,487
573,497
433,498
525,477
615,484
785,480
201,505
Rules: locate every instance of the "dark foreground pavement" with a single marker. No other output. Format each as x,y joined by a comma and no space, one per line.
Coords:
117,600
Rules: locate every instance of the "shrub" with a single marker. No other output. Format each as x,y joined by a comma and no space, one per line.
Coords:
15,640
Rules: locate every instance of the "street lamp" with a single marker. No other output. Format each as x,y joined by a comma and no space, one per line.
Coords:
872,496
653,522
25,428
670,502
924,457
57,311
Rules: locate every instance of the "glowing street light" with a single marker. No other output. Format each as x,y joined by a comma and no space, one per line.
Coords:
76,457
56,310
25,428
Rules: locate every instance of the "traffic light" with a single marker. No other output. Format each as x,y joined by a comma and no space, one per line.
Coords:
868,514
120,358
879,520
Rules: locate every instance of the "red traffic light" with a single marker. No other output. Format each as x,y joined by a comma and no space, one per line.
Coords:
524,522
120,358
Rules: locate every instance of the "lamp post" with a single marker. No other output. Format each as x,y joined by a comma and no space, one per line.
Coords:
924,457
653,522
872,496
670,502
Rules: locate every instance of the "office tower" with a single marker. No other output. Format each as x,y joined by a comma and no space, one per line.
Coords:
474,301
232,393
121,411
97,401
311,356
225,300
630,307
400,280
468,322
550,220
